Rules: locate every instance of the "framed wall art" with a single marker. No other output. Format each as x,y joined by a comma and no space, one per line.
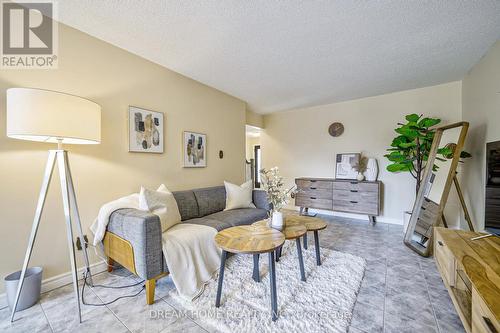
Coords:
345,165
195,150
145,131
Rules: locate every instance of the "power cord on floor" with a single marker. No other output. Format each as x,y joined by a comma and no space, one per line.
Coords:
85,277
85,283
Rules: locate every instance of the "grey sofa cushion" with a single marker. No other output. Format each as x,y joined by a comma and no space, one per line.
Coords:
240,216
210,200
219,225
188,206
260,200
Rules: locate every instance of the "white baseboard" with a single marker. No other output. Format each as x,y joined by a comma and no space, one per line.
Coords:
352,216
60,280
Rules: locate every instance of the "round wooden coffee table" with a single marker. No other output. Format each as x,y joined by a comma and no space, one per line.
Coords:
313,224
292,231
253,240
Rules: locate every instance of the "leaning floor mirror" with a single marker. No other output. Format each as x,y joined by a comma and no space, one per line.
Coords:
434,193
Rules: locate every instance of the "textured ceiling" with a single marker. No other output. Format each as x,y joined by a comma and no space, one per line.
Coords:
278,55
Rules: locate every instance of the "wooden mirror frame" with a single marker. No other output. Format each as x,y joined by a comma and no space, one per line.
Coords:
419,201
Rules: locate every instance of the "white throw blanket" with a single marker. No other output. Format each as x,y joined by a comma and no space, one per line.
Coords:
189,249
101,222
192,257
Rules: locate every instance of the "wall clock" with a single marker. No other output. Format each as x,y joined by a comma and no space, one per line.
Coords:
336,129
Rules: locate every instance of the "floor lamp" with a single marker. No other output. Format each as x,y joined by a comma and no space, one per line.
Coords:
54,117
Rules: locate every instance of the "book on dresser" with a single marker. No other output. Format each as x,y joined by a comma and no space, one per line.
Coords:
339,195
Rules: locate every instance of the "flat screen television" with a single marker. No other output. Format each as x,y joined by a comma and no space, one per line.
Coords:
492,197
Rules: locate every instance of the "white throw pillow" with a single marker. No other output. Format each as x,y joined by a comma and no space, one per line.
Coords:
162,203
239,196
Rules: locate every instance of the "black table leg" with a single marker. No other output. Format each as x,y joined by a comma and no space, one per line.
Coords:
301,260
316,245
278,253
221,277
305,241
272,278
256,274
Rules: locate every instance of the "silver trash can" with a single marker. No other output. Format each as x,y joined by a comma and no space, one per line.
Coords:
31,288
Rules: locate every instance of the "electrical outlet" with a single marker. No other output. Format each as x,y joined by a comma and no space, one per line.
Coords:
79,243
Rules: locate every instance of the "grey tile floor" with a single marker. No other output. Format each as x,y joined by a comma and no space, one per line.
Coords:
401,292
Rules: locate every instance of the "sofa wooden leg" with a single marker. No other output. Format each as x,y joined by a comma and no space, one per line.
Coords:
110,264
150,291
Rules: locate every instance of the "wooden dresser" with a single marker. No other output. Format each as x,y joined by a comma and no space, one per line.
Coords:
471,273
347,196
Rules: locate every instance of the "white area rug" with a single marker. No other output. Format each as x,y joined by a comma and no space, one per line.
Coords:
322,304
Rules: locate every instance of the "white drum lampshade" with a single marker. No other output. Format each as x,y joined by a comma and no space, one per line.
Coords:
50,116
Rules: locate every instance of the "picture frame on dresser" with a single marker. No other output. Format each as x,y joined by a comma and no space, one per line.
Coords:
344,165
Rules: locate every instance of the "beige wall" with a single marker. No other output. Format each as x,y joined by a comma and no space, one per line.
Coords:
254,119
115,79
299,144
481,107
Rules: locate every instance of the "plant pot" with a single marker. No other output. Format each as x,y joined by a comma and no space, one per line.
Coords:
360,177
371,170
277,221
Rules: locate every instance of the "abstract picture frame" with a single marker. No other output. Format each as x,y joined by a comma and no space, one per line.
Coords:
145,130
194,146
344,166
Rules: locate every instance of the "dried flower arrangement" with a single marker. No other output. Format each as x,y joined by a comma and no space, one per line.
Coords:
273,184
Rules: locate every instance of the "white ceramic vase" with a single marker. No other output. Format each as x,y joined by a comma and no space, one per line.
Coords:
360,177
277,221
371,170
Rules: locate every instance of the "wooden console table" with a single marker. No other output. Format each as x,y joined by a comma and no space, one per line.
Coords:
348,196
471,273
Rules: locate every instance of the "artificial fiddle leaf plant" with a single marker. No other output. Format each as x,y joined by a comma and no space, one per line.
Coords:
409,151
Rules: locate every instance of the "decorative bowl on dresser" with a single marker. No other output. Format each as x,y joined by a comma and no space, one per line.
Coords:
339,195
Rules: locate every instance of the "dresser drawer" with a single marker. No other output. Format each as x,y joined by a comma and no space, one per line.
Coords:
428,217
353,206
318,193
430,206
423,228
313,202
355,195
483,321
313,184
356,186
444,259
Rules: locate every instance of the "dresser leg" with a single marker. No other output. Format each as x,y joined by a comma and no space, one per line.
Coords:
272,278
221,277
372,219
301,260
256,274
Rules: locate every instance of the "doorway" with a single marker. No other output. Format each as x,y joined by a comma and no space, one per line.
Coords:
253,155
258,165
